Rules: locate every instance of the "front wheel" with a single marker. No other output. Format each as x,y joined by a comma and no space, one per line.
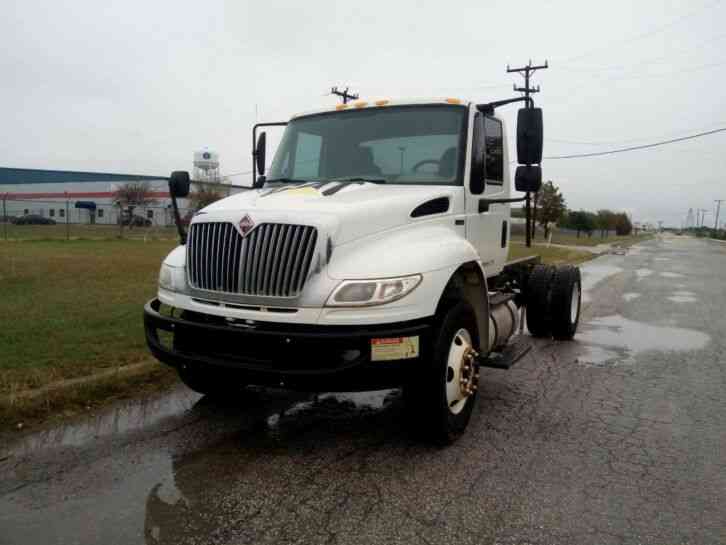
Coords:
442,395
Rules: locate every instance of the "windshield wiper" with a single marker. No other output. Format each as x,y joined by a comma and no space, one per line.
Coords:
287,181
361,179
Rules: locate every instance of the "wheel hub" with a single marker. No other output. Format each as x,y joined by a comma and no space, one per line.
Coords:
463,371
469,376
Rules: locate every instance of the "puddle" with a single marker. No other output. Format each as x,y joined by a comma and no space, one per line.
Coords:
616,332
125,418
371,400
662,259
671,275
334,405
682,299
683,296
630,296
597,355
593,274
643,273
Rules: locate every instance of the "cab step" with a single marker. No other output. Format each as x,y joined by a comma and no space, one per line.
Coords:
512,353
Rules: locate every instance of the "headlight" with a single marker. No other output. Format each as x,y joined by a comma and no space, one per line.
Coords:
354,293
171,278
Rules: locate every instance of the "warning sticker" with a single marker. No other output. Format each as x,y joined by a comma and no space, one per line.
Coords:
394,348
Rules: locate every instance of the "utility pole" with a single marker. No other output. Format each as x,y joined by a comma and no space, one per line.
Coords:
345,95
5,215
526,72
718,211
704,211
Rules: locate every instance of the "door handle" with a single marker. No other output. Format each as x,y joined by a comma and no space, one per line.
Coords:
484,203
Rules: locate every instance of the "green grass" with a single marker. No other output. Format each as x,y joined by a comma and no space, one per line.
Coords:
553,255
60,231
70,308
568,239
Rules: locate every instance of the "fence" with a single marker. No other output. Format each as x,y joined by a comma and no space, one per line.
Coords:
25,219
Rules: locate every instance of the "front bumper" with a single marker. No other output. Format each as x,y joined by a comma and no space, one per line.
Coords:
298,356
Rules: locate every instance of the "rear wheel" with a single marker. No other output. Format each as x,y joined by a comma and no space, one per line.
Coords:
208,382
565,301
441,397
538,300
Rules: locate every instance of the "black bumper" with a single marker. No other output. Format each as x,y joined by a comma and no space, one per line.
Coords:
307,357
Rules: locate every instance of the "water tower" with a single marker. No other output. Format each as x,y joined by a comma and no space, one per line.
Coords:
206,166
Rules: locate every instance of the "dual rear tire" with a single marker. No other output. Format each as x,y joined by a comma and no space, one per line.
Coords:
554,297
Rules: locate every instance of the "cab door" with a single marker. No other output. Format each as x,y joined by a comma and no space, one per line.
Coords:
488,224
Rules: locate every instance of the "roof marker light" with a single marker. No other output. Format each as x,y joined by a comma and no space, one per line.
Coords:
382,102
360,104
453,101
341,106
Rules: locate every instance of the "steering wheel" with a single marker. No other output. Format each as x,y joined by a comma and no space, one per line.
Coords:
425,162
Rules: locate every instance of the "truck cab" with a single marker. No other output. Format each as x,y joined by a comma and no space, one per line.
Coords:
373,254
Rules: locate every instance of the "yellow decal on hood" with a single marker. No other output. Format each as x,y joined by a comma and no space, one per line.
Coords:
305,190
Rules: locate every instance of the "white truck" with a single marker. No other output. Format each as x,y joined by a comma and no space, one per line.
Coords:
373,255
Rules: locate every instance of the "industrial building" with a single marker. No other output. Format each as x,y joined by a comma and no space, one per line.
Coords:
89,197
82,197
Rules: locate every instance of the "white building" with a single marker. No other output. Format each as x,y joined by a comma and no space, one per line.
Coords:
78,197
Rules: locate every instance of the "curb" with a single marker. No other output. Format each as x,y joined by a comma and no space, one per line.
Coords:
55,387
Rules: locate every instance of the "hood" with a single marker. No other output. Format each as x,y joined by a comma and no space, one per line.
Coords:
345,210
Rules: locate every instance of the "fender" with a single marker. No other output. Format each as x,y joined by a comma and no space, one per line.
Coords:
470,282
411,249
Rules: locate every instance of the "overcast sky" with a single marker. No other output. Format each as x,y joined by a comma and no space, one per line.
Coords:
136,87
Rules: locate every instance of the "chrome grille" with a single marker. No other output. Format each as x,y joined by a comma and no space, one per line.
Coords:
273,260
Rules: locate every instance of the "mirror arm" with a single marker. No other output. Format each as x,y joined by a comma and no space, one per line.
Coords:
489,107
177,217
528,226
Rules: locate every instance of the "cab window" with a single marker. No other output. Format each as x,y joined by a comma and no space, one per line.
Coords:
494,151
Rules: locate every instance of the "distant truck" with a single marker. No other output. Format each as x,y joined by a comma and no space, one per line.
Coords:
372,255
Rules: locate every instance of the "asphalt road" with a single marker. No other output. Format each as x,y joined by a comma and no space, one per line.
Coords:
619,437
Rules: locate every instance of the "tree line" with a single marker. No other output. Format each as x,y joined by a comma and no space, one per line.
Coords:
550,208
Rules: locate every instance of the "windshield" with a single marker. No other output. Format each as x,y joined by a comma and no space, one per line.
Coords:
397,144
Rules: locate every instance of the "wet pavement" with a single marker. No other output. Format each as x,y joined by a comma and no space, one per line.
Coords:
619,437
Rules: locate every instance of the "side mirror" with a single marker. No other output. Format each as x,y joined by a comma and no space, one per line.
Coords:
179,183
260,150
528,179
529,136
478,163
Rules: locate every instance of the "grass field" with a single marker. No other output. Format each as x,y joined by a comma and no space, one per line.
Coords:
61,231
70,308
583,240
552,254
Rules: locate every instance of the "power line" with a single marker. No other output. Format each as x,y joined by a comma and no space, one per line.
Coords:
645,34
631,140
633,148
677,53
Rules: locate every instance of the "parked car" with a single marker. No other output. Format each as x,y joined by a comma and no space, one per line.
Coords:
136,221
33,219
